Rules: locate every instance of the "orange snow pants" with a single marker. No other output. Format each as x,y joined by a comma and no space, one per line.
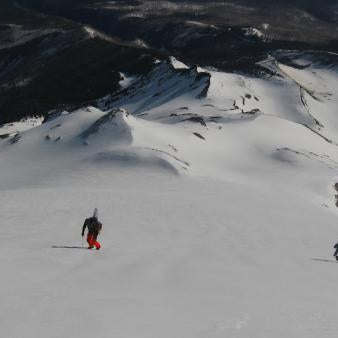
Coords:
93,242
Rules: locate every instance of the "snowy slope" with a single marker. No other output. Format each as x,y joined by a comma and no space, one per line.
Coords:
16,127
216,192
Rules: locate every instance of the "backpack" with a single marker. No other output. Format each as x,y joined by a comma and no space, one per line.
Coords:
94,226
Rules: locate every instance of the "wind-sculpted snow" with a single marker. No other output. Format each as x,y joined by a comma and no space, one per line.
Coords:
316,78
219,210
134,158
113,125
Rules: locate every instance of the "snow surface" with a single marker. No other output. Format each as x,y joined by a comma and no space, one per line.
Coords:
16,127
177,64
218,211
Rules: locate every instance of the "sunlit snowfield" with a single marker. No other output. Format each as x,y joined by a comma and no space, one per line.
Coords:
217,201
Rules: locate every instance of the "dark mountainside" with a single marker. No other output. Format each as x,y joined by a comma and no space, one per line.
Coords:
50,63
62,63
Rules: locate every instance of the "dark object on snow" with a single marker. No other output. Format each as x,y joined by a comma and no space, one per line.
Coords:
252,112
199,135
94,227
336,252
336,196
198,119
15,138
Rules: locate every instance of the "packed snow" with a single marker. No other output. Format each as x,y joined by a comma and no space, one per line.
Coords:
217,196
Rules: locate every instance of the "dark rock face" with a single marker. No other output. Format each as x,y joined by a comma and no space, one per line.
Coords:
162,83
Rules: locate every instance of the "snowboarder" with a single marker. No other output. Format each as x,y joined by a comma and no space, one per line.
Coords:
336,252
94,228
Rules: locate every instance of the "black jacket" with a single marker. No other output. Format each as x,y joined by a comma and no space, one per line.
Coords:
93,225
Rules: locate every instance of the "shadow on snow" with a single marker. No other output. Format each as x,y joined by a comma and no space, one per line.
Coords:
68,247
324,260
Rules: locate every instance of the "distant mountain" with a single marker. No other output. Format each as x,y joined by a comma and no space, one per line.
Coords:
58,53
217,33
48,62
326,10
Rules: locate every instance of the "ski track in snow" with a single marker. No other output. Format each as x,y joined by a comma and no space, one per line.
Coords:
228,235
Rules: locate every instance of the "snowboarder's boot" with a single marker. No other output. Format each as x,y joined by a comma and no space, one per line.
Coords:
90,247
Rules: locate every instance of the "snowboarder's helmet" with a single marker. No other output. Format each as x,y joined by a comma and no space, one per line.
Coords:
96,213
